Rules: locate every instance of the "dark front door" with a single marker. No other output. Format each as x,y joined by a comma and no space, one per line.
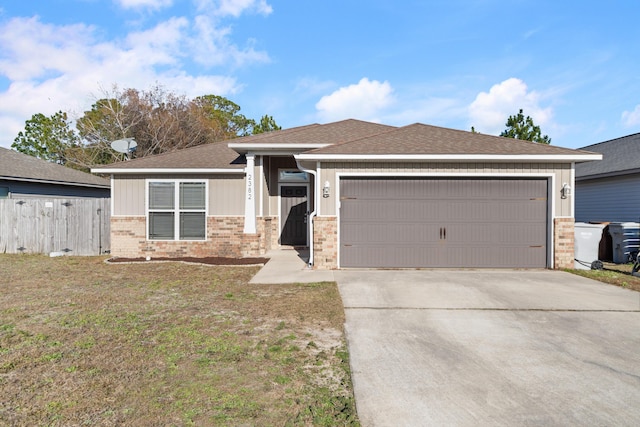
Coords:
293,223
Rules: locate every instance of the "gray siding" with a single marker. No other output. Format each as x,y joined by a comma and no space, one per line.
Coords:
128,195
226,193
615,199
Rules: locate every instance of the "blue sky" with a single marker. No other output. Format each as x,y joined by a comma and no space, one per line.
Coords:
571,65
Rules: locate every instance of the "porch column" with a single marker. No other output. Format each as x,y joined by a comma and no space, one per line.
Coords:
249,200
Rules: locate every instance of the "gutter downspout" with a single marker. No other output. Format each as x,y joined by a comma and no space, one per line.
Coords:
312,215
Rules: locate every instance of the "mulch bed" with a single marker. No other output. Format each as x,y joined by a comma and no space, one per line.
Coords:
205,260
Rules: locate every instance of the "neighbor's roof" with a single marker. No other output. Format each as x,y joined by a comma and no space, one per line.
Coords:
17,166
424,141
620,156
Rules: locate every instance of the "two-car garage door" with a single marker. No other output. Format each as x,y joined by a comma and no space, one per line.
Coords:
416,222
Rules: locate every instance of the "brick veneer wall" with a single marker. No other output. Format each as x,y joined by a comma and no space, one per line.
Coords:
325,242
225,237
563,242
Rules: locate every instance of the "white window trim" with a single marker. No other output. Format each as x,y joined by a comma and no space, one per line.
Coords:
176,227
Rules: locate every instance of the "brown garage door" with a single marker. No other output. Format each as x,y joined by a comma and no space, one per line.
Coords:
443,222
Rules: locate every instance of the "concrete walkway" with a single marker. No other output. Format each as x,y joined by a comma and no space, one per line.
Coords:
289,265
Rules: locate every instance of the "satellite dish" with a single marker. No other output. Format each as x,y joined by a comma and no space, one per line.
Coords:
125,145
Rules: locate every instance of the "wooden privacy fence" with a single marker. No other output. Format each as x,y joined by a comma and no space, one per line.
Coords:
68,226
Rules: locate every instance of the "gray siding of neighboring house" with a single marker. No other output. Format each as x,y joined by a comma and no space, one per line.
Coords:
22,189
614,199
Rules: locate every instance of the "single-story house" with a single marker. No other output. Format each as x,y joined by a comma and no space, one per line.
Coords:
358,194
23,176
609,190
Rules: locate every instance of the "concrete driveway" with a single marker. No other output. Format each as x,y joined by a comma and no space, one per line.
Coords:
491,347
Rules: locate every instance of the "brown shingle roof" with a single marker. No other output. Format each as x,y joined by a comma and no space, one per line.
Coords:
22,167
419,139
330,133
347,137
216,155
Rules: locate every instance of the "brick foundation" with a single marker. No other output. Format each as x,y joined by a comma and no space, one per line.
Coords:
563,243
225,238
325,242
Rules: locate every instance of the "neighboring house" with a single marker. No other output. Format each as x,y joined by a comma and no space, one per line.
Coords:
27,176
358,194
609,190
45,207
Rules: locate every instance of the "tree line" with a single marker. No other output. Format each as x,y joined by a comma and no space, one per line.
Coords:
161,121
158,120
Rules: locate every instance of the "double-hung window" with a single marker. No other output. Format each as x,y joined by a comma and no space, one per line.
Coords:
177,210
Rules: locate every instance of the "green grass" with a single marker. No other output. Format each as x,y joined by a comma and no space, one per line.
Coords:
613,274
87,343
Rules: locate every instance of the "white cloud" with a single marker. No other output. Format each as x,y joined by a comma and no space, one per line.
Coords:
63,67
364,100
211,47
631,118
489,112
233,8
149,4
31,49
161,44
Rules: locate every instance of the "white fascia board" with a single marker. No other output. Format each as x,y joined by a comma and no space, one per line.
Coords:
244,147
160,170
454,157
274,152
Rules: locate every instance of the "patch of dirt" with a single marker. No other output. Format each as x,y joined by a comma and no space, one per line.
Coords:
194,260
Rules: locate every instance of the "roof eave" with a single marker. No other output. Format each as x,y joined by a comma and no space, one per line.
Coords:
609,174
138,171
244,148
49,181
553,158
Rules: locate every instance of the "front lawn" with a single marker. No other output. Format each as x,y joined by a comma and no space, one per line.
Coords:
83,342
